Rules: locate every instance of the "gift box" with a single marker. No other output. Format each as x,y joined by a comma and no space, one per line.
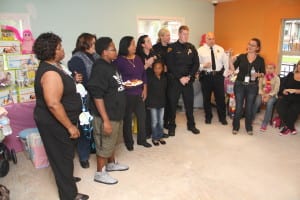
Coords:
8,96
37,151
25,77
26,94
10,47
7,79
19,61
1,63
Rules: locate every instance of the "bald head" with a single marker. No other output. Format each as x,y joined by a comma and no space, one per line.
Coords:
210,39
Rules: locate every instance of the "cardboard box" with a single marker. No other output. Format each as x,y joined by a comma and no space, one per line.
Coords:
19,61
8,96
26,94
10,47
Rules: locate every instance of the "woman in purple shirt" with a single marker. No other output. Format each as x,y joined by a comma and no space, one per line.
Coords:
131,68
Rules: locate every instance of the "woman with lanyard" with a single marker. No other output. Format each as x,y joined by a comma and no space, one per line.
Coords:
251,67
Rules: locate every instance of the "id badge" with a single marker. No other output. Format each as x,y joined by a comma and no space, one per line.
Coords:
247,78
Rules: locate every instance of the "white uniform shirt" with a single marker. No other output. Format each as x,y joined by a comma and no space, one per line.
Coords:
221,58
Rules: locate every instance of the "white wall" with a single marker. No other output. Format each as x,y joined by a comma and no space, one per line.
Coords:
114,18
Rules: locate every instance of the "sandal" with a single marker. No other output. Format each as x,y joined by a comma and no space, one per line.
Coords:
155,142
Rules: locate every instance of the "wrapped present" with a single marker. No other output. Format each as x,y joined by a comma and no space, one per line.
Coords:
37,151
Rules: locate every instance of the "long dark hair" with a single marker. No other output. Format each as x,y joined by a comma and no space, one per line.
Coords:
124,44
139,47
258,43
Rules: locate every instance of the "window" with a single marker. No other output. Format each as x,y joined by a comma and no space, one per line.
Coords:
151,25
290,45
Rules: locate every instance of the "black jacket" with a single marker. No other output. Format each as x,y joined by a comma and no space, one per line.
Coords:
156,96
106,83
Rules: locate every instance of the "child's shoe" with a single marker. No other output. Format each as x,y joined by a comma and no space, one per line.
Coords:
263,128
293,132
285,131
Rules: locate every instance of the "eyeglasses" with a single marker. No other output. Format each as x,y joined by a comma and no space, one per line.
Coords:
252,45
111,49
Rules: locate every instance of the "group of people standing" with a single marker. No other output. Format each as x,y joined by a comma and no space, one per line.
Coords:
163,73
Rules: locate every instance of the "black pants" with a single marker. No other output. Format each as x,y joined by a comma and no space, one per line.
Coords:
60,151
136,105
148,123
167,111
175,88
288,111
213,83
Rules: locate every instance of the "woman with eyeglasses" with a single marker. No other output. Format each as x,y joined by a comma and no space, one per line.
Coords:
251,67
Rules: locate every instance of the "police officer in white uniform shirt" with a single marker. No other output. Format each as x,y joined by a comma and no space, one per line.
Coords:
213,63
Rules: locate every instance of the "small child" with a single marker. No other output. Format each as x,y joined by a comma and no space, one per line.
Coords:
156,97
267,94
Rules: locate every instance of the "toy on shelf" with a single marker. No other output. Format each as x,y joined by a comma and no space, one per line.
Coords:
26,40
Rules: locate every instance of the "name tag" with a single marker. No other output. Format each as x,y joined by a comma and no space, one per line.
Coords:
247,78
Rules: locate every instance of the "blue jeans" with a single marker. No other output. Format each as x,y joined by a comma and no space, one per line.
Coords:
248,94
269,108
157,121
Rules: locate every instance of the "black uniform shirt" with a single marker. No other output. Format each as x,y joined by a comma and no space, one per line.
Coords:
161,51
182,60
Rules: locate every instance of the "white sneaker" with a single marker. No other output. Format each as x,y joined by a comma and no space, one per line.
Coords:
115,167
104,177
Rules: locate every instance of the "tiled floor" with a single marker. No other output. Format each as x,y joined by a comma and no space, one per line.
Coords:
214,165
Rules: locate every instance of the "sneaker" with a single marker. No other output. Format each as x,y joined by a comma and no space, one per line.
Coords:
293,132
250,132
115,167
234,132
285,131
263,128
104,177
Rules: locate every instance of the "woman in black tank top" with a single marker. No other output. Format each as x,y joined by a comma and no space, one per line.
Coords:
56,113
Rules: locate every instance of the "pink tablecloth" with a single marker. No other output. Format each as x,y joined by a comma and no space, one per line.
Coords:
21,117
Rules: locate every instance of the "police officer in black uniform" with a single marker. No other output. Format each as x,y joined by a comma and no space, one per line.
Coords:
182,62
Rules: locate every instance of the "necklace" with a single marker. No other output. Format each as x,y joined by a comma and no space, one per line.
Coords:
131,61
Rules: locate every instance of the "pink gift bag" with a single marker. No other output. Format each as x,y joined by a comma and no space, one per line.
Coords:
37,151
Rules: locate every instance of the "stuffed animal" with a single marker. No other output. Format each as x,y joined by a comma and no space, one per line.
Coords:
27,40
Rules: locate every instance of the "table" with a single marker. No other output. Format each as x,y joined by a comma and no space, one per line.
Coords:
21,117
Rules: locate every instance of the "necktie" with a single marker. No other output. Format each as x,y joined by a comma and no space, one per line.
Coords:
213,61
